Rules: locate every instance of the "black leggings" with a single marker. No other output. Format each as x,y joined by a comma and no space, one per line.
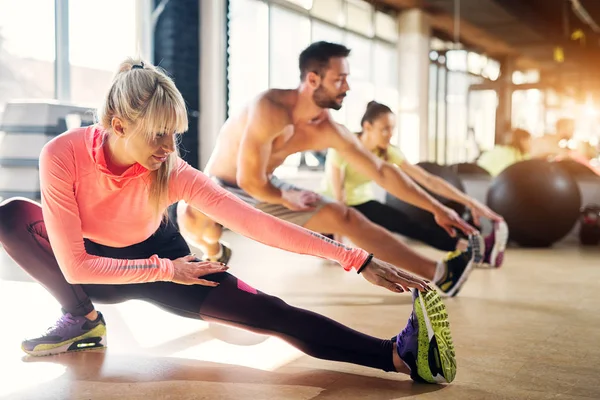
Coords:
398,222
24,237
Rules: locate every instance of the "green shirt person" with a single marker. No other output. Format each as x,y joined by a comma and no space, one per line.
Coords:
346,184
502,156
358,188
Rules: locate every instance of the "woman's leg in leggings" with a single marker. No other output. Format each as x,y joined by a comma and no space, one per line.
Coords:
24,237
235,303
398,222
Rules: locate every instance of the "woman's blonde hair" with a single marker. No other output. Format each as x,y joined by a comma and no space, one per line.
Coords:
146,97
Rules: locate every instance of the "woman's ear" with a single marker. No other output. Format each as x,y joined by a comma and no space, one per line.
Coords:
118,126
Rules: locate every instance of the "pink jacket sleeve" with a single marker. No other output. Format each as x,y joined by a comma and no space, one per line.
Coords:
202,193
63,224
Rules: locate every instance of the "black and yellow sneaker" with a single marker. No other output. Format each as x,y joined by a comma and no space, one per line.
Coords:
459,265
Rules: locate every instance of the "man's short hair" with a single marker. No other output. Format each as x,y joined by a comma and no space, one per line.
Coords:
315,58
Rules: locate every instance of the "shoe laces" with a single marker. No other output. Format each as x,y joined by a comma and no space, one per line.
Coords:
63,322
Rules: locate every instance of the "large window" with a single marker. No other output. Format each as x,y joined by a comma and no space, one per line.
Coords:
327,32
26,58
528,111
438,114
385,70
101,34
95,52
362,88
289,35
456,131
461,121
482,120
432,112
248,52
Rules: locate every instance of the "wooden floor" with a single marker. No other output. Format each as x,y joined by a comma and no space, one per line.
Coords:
530,330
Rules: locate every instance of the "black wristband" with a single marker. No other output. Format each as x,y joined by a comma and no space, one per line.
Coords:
367,261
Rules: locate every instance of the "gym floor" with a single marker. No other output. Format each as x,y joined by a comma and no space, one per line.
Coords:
530,330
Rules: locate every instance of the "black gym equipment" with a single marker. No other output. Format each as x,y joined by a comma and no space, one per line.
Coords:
177,50
589,225
539,200
469,169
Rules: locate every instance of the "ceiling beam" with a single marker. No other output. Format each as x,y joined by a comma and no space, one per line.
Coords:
469,34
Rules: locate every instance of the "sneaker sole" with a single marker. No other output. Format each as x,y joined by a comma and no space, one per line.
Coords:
94,339
501,237
431,314
478,244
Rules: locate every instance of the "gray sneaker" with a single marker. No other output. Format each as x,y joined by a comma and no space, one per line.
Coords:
68,334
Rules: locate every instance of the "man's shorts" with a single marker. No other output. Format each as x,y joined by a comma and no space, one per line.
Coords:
276,210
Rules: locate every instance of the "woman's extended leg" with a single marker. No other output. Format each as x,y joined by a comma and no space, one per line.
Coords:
232,302
398,222
235,303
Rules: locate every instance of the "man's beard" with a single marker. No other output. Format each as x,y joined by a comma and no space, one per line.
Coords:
323,100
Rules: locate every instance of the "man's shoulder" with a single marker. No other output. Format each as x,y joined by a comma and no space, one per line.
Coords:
337,135
275,100
270,113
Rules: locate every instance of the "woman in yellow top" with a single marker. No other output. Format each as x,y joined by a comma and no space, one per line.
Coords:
347,185
502,156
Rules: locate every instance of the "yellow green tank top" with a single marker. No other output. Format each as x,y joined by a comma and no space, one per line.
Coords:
357,187
500,158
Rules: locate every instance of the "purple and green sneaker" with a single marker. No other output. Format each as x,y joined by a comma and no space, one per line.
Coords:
68,334
425,345
495,245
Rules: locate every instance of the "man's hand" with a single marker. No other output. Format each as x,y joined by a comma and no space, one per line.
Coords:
299,200
479,210
392,278
449,220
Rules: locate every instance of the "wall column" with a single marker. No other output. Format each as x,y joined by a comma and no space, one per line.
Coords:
413,60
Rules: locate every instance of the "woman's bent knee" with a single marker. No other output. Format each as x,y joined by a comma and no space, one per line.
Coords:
18,212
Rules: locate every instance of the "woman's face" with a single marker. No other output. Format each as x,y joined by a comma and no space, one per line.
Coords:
148,151
152,153
382,129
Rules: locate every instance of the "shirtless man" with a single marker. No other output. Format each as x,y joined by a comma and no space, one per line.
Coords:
278,123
